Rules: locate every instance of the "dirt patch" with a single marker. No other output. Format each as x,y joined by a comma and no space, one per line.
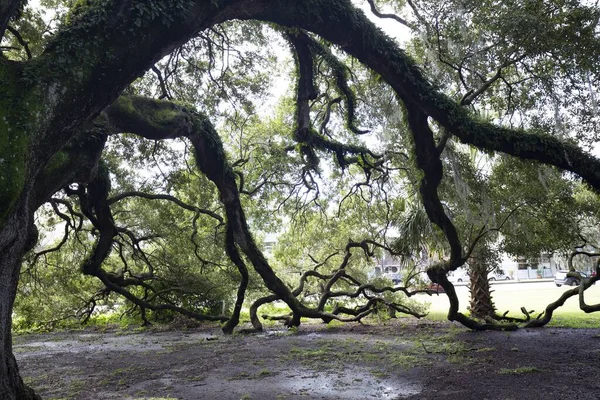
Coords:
396,360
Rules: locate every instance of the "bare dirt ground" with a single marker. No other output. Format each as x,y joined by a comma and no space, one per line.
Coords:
396,360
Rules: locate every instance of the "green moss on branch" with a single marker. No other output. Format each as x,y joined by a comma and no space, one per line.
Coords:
14,139
153,119
341,23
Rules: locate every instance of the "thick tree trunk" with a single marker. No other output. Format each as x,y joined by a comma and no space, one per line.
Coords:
16,235
234,255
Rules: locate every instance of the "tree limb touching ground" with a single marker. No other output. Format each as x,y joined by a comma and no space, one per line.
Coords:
52,129
211,160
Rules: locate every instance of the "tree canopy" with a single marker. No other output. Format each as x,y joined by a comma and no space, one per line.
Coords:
147,129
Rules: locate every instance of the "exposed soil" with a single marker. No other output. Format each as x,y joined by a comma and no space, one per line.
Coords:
399,359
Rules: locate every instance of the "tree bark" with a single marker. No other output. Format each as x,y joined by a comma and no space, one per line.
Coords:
48,100
234,255
482,305
7,10
17,235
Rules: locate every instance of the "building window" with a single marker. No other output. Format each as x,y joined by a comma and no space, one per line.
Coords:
391,269
269,246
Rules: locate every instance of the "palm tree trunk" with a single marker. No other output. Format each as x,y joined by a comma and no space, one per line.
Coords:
481,305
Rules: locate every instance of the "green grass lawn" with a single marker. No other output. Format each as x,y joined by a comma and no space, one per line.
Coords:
533,297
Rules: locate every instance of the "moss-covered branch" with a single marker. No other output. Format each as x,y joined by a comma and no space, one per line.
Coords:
131,114
340,72
211,160
305,50
341,23
156,119
428,160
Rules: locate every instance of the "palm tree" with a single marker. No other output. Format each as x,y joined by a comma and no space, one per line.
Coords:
481,304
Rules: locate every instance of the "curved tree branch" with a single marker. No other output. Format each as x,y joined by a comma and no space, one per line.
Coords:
375,11
235,257
305,49
341,23
22,42
96,208
170,198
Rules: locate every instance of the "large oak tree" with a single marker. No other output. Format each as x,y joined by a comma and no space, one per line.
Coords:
58,107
